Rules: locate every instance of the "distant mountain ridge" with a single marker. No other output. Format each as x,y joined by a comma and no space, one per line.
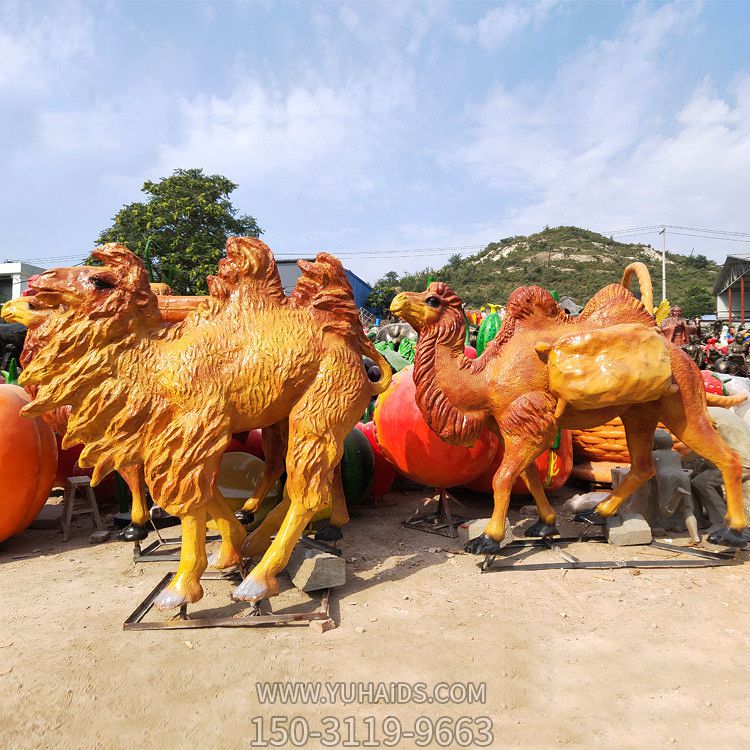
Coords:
573,261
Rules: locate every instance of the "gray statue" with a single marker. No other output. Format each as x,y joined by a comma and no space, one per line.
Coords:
395,332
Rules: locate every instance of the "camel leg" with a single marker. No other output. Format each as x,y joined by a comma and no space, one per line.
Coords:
232,534
186,585
316,445
139,518
545,526
187,492
339,512
691,425
260,539
312,459
528,426
274,439
640,423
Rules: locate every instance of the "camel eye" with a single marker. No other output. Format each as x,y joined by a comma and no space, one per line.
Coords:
432,301
101,284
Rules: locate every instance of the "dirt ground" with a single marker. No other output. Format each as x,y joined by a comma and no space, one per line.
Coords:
569,658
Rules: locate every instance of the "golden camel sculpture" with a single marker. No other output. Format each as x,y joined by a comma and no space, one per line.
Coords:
167,397
546,370
173,309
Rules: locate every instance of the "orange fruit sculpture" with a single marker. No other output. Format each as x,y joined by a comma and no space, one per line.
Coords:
28,461
416,450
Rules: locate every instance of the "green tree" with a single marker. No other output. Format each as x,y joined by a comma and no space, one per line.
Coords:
698,301
383,292
697,261
186,221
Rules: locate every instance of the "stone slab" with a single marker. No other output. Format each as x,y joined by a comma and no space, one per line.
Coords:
313,570
472,529
627,529
49,517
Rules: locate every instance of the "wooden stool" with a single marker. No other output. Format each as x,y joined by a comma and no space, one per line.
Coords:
72,486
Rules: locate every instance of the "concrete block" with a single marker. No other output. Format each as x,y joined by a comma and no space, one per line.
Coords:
627,529
49,517
644,501
472,529
312,570
99,536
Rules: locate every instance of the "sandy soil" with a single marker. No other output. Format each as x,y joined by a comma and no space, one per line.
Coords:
571,658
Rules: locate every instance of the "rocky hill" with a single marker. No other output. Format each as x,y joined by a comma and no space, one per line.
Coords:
575,262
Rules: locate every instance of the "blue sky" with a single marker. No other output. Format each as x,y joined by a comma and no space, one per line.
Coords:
387,133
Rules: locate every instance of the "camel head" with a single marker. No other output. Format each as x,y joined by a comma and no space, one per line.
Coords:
20,310
86,315
438,305
118,288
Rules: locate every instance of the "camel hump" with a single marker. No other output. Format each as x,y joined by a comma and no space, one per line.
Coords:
324,288
612,305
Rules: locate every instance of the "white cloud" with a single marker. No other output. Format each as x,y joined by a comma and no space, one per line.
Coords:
309,137
600,147
38,49
502,21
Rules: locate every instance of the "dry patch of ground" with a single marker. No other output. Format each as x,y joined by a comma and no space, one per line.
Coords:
576,658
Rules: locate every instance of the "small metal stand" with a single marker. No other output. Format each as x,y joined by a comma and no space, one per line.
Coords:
440,521
697,558
252,617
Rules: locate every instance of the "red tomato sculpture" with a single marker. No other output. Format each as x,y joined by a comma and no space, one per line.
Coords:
385,472
712,383
554,467
28,460
415,450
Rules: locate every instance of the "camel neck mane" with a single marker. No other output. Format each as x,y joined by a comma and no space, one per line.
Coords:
440,413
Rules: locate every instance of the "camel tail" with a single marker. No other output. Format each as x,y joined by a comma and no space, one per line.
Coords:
714,399
640,271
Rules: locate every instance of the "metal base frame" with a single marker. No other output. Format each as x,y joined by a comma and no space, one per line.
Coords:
440,521
152,553
697,558
253,617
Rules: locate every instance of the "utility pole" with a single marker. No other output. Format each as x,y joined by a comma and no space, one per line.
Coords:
664,262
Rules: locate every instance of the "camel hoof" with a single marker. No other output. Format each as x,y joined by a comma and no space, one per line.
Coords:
133,533
329,533
244,516
590,517
227,562
726,537
169,599
252,590
483,545
541,529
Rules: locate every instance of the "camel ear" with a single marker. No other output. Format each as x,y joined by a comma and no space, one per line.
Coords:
115,254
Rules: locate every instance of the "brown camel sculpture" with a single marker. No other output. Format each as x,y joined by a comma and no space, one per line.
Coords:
169,397
545,370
